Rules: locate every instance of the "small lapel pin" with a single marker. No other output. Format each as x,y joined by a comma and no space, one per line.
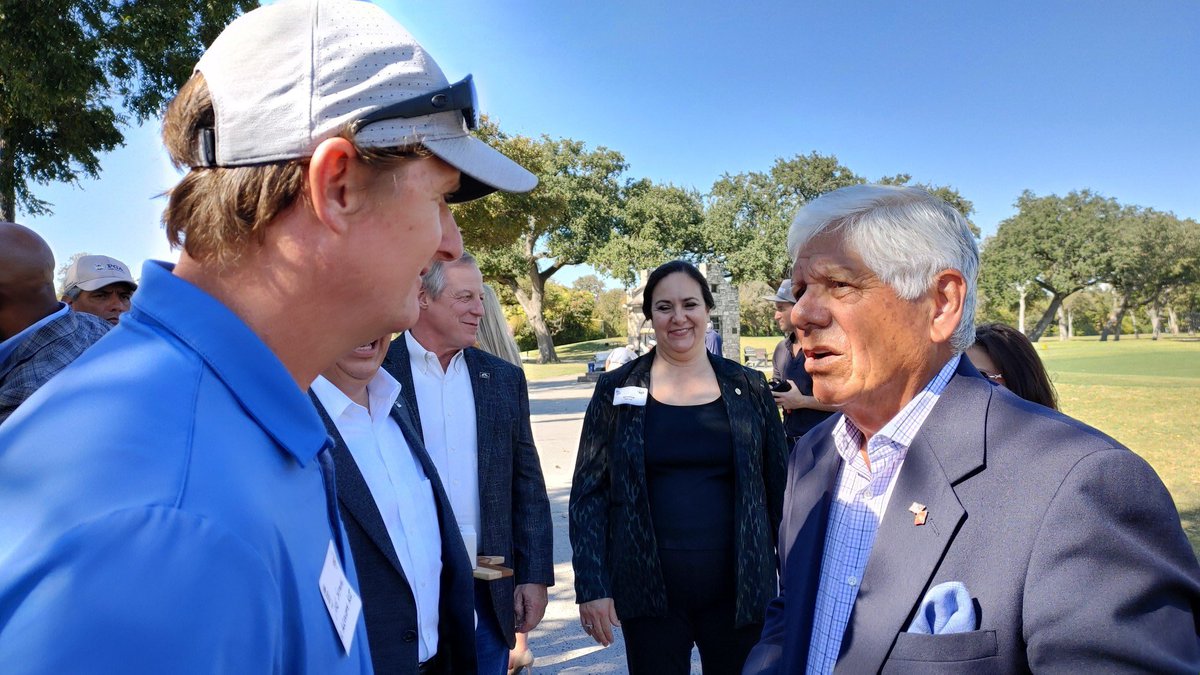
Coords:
484,376
920,513
737,391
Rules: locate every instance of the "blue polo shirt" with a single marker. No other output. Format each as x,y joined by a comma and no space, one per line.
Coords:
163,507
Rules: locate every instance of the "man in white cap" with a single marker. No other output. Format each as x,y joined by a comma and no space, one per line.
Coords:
39,336
322,146
791,385
100,285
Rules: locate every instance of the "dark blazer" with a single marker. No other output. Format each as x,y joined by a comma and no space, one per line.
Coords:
44,353
389,607
514,509
1068,543
612,537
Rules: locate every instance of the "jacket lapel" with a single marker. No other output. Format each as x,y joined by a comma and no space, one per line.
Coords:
353,493
947,449
812,478
398,364
633,419
486,405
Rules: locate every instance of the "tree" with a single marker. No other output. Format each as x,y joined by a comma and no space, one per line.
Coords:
590,283
748,214
1060,244
584,210
70,70
757,315
611,313
1153,253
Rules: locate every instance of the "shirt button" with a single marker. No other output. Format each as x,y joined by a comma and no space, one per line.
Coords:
852,580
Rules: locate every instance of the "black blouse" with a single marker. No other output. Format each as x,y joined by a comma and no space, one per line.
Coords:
690,475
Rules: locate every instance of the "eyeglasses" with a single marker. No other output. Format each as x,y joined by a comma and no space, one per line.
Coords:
994,378
458,96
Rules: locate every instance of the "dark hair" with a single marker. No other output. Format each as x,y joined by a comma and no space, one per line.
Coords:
666,269
1013,353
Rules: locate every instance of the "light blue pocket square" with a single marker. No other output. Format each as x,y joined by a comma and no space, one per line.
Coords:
946,608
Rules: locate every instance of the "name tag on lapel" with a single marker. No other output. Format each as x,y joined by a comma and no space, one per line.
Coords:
343,603
630,396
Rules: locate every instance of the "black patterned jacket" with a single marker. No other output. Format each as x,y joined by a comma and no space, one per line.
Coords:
612,537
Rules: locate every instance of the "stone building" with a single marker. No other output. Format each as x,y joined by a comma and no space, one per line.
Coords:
726,317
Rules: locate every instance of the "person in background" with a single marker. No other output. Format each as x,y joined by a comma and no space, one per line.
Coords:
676,496
713,341
471,410
100,285
169,503
938,523
39,336
495,337
801,410
1006,357
412,568
619,356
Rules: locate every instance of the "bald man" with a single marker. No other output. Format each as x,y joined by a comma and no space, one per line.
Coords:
39,335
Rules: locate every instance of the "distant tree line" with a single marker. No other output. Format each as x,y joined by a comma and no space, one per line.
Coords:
1084,263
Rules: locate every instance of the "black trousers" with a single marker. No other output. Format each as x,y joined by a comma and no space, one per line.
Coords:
700,610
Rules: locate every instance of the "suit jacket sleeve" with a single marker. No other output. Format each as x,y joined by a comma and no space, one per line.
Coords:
774,456
589,506
533,530
1113,583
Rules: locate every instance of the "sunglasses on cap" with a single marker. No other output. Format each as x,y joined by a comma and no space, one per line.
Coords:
458,96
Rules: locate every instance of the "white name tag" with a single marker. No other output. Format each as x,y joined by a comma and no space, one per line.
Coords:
343,603
629,396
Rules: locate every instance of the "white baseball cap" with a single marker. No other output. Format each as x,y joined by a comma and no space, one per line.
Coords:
91,272
289,75
784,294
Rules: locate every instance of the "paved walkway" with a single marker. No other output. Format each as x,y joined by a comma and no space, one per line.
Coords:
559,645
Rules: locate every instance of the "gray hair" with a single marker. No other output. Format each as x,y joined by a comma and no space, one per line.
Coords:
72,293
904,235
433,282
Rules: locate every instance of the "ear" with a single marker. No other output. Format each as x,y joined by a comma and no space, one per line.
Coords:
422,298
335,183
949,297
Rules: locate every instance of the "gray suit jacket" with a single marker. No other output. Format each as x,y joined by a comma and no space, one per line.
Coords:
43,354
513,505
1068,543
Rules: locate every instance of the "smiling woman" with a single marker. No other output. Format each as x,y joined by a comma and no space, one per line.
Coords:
680,469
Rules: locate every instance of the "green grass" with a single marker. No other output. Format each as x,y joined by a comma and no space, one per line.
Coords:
1141,392
573,358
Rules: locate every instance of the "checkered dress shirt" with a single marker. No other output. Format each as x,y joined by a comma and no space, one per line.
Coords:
858,507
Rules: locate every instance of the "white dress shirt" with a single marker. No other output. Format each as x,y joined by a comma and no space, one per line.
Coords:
447,407
399,486
858,507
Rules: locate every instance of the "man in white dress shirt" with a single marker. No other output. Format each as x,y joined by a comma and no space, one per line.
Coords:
395,508
473,411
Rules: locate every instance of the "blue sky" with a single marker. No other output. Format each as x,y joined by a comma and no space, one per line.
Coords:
991,98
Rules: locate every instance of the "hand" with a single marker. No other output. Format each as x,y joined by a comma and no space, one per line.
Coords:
598,618
529,606
791,399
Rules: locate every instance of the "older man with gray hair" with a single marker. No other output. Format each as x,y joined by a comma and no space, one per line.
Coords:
939,522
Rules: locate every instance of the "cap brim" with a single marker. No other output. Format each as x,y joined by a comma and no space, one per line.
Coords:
484,169
94,284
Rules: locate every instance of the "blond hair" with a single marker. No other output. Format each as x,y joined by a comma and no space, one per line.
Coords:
494,337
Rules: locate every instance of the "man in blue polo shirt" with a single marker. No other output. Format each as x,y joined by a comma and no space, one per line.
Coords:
193,527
